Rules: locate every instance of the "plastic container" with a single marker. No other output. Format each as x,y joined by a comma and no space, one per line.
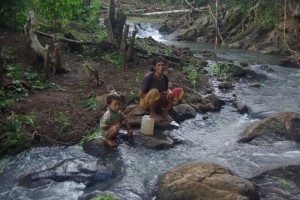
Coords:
147,125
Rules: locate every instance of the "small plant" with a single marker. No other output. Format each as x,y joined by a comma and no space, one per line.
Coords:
286,184
15,137
103,197
94,134
192,74
222,69
89,104
168,51
115,58
64,123
138,77
5,103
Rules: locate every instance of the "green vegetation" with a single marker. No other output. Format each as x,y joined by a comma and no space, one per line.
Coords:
192,74
286,184
63,123
104,197
16,138
90,103
92,135
267,14
154,49
222,69
115,59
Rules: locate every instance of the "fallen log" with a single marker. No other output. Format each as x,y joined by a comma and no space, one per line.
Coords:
104,44
159,13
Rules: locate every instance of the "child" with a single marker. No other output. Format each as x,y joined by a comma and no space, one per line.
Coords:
112,119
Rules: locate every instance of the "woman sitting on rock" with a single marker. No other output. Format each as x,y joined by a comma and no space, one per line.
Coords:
154,93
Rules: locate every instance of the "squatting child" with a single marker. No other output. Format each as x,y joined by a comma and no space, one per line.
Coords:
112,119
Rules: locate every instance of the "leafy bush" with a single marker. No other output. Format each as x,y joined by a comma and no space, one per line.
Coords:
13,13
15,137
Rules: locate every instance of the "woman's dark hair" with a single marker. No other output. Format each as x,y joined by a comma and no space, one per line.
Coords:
157,60
112,97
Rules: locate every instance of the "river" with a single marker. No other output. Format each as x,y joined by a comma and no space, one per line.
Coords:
211,140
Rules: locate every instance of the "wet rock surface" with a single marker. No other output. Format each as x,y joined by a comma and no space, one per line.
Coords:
280,184
204,181
283,126
80,171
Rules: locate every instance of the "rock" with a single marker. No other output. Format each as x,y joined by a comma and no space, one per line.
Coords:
185,111
236,70
205,107
80,171
216,101
266,68
158,141
266,48
101,101
135,110
281,183
204,181
188,34
95,147
280,127
226,85
202,21
242,108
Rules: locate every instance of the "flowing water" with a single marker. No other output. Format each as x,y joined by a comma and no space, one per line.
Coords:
211,140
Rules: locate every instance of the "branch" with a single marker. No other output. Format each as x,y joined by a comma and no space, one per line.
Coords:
200,9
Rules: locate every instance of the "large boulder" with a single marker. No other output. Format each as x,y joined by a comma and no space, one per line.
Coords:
280,127
80,171
280,184
204,181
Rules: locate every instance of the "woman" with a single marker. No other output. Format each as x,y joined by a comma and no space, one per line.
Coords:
154,93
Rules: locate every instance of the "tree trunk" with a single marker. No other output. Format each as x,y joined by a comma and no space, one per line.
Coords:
216,21
32,40
119,26
1,66
129,53
57,59
124,46
47,63
109,31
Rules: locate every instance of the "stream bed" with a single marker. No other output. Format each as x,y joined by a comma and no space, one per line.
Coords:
210,137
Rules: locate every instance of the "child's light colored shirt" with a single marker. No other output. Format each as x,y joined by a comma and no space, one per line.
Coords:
110,117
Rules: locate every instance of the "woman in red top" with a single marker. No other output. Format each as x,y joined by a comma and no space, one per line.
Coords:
155,94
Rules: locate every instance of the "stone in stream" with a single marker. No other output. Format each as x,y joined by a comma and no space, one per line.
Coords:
158,141
179,113
205,181
79,171
283,126
280,184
